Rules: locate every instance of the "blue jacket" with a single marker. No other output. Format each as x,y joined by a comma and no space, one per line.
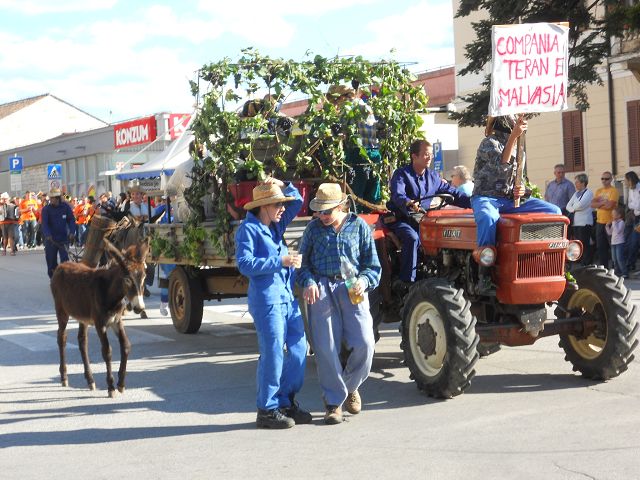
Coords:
407,185
58,222
259,249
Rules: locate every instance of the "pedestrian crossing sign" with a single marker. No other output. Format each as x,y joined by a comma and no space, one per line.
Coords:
54,170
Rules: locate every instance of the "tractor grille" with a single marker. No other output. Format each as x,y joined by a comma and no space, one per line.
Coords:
542,264
533,232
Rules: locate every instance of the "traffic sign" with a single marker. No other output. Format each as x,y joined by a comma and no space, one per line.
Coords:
54,171
438,157
15,164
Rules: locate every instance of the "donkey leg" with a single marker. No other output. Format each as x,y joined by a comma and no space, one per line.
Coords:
106,355
83,329
63,319
125,349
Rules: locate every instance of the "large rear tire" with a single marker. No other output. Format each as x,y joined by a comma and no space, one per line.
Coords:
185,301
439,338
607,351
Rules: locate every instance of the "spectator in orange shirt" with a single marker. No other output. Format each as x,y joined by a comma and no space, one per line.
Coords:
28,208
80,211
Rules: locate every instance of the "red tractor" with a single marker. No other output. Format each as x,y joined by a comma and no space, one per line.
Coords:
446,323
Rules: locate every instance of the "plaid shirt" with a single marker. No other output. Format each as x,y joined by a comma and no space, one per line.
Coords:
367,130
322,247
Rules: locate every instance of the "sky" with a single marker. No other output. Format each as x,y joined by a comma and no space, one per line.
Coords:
118,59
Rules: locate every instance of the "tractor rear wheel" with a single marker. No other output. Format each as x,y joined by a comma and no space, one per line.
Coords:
605,352
439,338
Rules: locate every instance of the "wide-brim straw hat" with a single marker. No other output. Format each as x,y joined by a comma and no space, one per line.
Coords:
266,194
336,91
55,192
329,195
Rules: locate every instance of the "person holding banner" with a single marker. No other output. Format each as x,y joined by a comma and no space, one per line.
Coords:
494,176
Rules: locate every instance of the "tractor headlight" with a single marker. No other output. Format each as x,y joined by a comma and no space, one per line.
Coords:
574,250
485,256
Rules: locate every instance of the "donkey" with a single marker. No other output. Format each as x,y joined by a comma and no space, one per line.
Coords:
98,296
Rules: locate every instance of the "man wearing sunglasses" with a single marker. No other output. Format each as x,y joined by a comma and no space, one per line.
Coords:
412,189
604,201
333,238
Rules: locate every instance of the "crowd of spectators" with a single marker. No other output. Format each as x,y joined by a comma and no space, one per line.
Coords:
20,216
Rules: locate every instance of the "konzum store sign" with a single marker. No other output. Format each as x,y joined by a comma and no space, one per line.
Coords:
135,132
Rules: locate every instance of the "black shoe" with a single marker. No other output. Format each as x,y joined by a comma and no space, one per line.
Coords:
146,293
273,419
298,415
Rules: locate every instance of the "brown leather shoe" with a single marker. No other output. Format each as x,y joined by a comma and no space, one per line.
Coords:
333,415
353,404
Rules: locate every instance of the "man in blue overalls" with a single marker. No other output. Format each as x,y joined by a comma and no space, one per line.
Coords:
58,229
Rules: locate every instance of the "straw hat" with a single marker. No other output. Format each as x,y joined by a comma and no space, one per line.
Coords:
329,195
55,192
336,91
266,194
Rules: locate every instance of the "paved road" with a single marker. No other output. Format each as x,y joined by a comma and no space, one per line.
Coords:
189,408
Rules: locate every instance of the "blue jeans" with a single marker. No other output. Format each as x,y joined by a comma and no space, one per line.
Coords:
487,210
280,375
29,232
165,271
51,252
619,260
333,319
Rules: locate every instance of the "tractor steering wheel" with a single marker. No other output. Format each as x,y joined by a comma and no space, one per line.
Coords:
442,200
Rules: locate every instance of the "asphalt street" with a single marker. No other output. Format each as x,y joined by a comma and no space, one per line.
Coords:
189,408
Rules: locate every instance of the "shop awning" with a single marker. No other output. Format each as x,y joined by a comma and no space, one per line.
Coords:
164,163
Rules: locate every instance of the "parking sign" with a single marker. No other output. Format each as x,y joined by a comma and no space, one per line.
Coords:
438,157
15,164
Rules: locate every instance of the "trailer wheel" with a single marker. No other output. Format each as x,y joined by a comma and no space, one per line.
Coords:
605,352
185,301
439,338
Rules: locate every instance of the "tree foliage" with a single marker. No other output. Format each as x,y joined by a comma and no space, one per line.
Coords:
240,147
592,23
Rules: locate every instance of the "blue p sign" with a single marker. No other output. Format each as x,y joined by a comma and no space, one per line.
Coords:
15,164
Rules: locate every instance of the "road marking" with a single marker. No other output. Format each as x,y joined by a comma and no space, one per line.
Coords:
29,338
44,338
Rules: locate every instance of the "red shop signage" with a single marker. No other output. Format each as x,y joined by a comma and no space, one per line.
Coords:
135,132
178,124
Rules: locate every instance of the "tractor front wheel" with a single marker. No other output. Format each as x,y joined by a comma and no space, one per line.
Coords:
439,338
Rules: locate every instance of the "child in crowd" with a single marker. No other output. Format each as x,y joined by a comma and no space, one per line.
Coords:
616,230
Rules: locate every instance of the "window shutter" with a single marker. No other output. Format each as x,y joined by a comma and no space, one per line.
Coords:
572,141
633,124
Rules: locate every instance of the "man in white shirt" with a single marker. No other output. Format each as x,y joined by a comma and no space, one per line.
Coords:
138,208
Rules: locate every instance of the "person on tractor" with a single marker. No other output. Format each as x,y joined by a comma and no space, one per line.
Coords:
494,176
412,188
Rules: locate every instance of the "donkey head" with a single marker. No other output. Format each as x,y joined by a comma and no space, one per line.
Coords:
132,262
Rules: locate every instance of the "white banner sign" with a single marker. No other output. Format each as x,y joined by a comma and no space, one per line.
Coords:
530,67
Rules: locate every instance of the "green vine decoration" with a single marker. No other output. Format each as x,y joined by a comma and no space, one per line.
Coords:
162,247
245,147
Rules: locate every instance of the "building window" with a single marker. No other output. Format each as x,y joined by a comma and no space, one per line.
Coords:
633,124
572,139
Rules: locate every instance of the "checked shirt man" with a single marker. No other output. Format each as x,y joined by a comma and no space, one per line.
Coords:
333,237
